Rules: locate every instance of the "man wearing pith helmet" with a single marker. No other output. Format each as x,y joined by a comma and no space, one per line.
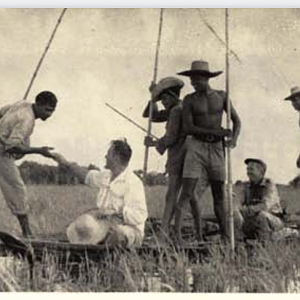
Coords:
205,159
294,97
167,90
259,213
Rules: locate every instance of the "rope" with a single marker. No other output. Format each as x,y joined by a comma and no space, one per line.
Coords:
44,53
218,37
154,81
228,150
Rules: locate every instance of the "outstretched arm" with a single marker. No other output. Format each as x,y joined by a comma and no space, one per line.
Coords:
78,171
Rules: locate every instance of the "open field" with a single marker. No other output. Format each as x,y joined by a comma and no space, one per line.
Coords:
271,269
54,207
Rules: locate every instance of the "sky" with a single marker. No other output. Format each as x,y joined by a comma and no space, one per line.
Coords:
107,55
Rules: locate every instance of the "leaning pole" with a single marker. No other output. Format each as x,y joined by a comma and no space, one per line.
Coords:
153,81
228,149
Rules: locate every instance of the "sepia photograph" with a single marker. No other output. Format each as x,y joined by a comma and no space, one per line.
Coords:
150,150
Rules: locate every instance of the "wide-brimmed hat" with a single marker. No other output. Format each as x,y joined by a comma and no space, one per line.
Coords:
87,230
200,67
256,160
165,84
294,91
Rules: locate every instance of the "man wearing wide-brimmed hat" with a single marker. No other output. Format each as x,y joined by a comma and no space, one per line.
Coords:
121,212
167,90
258,213
294,97
205,159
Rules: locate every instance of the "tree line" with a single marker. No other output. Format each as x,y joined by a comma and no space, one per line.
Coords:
35,173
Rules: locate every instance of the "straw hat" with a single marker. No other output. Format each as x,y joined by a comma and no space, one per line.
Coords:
165,84
200,67
87,230
294,91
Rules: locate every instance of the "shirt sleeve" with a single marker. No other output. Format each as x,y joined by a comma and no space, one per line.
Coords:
93,179
135,208
172,131
20,133
271,197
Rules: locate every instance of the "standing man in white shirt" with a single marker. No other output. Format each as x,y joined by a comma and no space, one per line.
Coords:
121,212
16,126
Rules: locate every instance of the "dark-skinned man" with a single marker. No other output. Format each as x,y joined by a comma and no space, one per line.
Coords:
16,126
205,159
167,90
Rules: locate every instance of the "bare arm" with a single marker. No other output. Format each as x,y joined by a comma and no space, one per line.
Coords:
158,116
236,121
78,171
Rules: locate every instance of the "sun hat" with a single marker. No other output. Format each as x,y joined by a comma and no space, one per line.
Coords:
87,230
165,84
294,91
200,67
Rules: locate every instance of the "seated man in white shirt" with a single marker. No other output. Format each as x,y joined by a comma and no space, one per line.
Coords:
121,212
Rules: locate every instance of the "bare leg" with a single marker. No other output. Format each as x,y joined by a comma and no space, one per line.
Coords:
217,188
187,194
24,222
171,199
197,211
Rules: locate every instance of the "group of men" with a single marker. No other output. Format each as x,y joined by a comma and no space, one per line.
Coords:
195,144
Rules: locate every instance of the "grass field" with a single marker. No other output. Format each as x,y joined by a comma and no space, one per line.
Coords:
271,269
54,207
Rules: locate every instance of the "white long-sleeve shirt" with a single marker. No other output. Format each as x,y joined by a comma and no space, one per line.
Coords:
124,196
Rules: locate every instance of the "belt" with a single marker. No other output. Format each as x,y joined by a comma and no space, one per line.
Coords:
208,138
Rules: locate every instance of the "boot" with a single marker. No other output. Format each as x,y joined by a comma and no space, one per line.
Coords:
24,222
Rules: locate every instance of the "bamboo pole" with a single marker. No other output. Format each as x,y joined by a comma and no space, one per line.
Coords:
228,150
154,81
44,53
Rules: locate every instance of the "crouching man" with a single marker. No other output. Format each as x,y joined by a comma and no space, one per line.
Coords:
121,212
260,210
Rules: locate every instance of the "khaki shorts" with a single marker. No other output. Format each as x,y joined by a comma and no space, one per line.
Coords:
205,161
12,186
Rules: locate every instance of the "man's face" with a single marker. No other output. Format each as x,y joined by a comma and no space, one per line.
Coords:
111,158
45,111
255,171
199,82
167,100
296,102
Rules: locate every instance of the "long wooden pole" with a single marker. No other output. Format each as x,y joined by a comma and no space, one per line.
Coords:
154,81
44,53
228,150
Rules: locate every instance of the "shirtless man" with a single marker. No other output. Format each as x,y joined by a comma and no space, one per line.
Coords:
205,158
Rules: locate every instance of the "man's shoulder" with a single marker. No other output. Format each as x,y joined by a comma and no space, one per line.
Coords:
219,93
189,96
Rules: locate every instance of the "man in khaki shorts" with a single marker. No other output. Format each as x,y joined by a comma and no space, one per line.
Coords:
16,126
167,90
121,212
205,158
